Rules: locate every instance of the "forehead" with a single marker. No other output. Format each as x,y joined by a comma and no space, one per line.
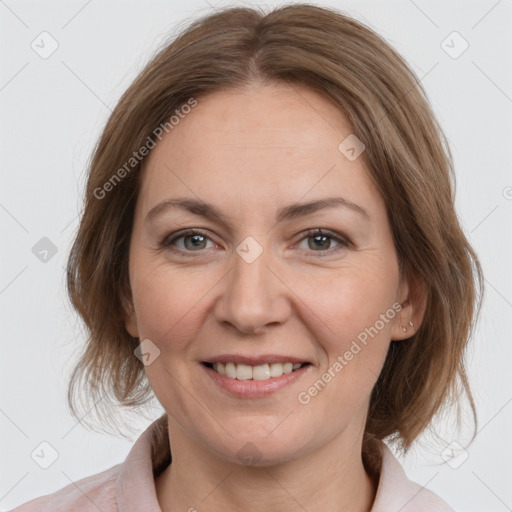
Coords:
275,141
279,116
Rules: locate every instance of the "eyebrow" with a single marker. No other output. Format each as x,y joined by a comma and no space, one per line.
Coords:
290,212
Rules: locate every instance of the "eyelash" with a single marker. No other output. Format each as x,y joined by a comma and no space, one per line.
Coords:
168,242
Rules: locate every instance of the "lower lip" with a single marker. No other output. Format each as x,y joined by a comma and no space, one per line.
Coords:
254,388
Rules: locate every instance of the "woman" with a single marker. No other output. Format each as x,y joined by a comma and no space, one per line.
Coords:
269,245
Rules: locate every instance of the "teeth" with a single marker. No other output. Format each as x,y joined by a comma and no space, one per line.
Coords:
276,370
221,368
260,372
230,370
243,372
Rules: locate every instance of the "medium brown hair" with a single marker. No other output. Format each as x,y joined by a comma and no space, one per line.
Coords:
406,156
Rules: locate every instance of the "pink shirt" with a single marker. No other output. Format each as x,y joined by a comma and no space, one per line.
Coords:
130,487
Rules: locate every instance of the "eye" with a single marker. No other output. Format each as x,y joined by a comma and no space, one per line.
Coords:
193,240
319,240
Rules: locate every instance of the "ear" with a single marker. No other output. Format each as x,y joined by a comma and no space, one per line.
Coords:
412,296
130,318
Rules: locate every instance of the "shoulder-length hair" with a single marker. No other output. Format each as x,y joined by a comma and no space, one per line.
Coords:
406,155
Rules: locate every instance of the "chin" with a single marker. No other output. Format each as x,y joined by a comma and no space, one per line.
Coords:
268,449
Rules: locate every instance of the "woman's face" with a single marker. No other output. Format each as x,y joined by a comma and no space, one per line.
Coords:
258,284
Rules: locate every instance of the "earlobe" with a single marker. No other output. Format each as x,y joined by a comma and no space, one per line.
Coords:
131,325
130,318
411,315
402,328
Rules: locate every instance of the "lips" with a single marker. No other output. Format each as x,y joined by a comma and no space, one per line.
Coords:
264,369
250,376
249,387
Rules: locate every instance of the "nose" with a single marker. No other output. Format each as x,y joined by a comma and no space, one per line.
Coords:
253,296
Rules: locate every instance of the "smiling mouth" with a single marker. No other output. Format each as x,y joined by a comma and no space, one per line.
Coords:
260,372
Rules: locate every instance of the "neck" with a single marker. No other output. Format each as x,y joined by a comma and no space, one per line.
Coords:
330,478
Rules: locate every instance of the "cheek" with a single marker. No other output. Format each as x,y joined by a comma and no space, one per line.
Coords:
170,308
352,299
353,327
169,304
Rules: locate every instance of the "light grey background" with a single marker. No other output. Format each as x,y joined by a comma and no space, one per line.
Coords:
52,112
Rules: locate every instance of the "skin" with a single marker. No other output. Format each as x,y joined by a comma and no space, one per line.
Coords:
250,152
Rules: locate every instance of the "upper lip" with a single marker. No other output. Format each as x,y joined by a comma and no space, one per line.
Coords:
254,360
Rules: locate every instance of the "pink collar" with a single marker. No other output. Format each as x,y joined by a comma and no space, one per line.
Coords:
135,485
